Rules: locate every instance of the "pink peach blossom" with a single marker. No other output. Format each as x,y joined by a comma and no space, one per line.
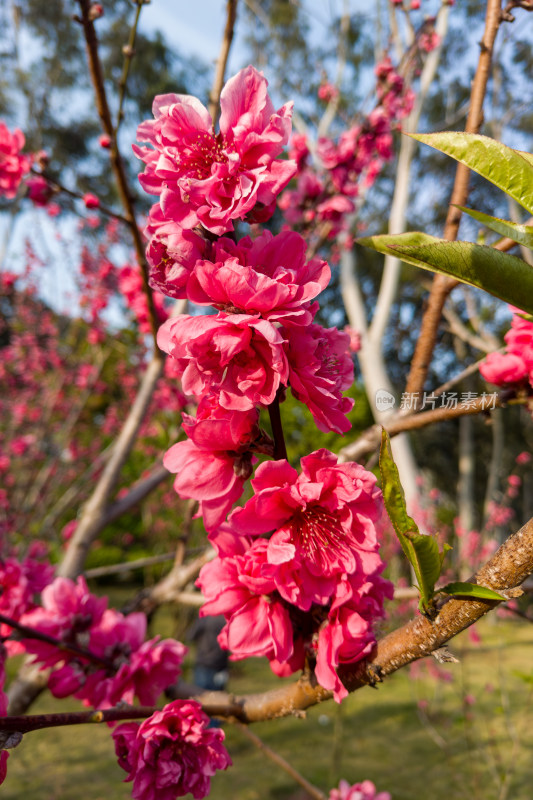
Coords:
207,476
502,368
323,522
13,164
258,622
299,150
359,791
320,369
172,253
91,200
171,753
213,179
39,190
516,364
237,357
268,276
216,428
327,92
213,466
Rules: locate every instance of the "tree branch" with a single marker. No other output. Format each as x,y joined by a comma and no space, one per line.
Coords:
505,571
117,164
370,439
218,83
36,722
442,285
90,522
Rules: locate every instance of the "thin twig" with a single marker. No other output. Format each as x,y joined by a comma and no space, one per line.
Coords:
218,83
117,164
129,52
77,195
313,791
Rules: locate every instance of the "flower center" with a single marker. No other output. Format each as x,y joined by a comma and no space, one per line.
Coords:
197,157
319,534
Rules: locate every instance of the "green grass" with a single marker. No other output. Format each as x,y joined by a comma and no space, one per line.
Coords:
444,749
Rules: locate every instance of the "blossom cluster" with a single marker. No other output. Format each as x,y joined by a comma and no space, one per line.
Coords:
13,163
104,658
328,185
298,572
101,657
171,753
515,365
312,589
263,337
21,581
297,575
213,179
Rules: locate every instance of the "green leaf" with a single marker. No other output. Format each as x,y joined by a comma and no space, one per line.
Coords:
426,563
523,234
421,551
471,590
445,549
508,169
528,156
393,493
504,276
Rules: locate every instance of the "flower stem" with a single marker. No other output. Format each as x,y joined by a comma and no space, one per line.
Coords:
313,791
280,450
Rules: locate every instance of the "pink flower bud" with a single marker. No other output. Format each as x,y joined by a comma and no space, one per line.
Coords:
104,140
42,158
96,10
91,200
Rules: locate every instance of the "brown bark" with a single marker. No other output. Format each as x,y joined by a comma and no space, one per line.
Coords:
117,164
442,285
218,83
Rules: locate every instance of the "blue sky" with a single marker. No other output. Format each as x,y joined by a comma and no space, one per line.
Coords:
194,28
